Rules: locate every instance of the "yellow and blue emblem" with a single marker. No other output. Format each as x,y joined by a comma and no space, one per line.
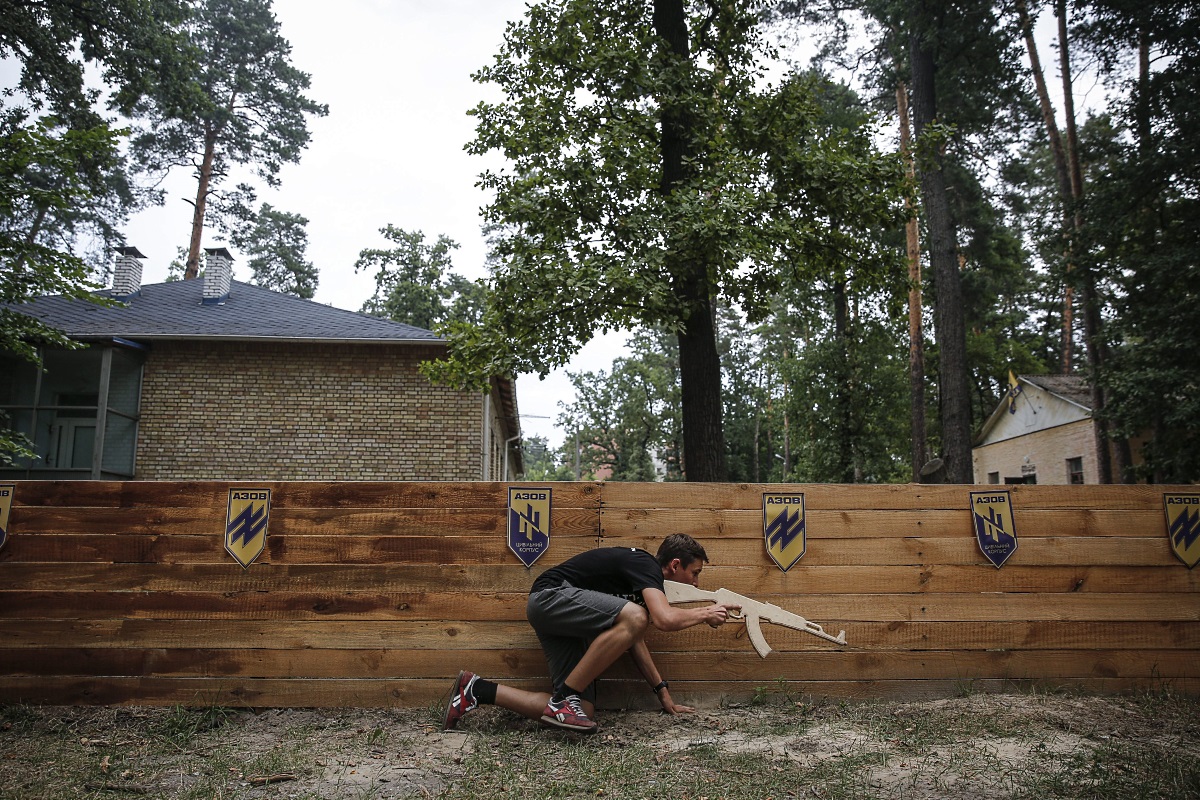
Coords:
246,524
995,529
6,498
1183,526
783,528
528,522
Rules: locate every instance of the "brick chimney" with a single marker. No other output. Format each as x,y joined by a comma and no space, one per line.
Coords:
127,272
218,272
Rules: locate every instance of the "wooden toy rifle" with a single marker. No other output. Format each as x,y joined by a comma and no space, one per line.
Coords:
752,612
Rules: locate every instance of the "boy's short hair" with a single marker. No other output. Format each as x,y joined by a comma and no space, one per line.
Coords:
681,546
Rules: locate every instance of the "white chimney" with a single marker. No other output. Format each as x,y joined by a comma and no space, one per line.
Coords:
127,272
218,272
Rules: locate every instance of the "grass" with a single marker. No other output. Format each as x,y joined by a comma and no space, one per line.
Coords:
981,746
516,765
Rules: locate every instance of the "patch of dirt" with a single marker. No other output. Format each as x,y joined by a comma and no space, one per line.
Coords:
976,746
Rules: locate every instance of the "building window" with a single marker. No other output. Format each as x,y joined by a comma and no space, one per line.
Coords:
80,412
1075,470
993,477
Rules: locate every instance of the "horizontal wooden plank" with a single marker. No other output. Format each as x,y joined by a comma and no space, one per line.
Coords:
280,635
453,548
936,664
477,606
1148,551
529,664
326,523
928,635
367,494
267,577
821,497
614,694
516,635
512,577
648,525
377,551
951,578
232,692
399,664
632,694
292,494
300,605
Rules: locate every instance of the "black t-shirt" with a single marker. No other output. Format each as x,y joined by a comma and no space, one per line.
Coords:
620,571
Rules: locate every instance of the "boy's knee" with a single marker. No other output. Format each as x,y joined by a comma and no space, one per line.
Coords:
635,617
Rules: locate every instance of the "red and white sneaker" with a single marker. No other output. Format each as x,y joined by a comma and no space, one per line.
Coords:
462,700
568,713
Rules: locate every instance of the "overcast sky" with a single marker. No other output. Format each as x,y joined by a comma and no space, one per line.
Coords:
396,76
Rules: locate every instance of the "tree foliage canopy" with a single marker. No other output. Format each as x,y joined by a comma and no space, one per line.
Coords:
415,284
245,104
62,178
137,45
651,171
275,244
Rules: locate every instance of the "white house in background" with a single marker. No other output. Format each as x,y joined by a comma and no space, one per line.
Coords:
1040,433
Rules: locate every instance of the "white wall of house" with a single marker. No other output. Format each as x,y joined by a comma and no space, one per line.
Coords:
1045,456
1045,439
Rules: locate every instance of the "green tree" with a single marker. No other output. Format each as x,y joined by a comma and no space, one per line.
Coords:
544,464
275,244
1141,237
849,264
627,203
50,164
966,101
62,178
636,195
250,107
415,282
54,43
626,420
136,44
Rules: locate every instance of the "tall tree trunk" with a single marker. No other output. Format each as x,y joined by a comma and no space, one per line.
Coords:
916,338
699,360
1066,189
192,267
700,392
949,322
757,435
1093,341
1097,352
843,434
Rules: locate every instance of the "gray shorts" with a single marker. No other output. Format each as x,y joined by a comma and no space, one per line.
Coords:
566,620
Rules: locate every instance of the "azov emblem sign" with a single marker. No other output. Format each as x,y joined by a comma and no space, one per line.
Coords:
528,523
246,524
6,498
783,528
995,530
1183,526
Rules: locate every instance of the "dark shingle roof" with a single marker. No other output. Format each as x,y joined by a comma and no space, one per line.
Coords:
174,311
1073,388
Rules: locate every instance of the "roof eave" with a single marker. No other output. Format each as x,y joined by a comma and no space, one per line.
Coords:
174,337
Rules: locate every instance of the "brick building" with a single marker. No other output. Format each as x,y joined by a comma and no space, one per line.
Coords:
216,379
1040,433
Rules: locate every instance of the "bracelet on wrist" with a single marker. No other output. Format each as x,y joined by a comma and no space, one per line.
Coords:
661,685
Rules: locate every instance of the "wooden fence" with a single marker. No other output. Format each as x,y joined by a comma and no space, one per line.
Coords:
376,594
